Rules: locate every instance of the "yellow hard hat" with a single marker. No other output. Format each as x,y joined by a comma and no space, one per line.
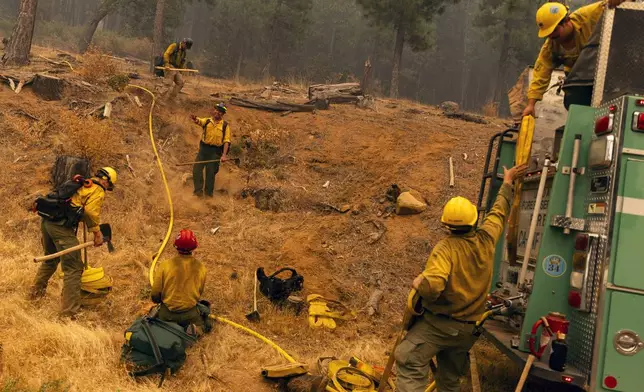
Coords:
109,174
459,212
549,16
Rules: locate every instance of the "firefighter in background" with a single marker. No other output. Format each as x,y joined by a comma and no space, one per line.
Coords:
179,284
567,36
175,57
214,145
453,289
61,234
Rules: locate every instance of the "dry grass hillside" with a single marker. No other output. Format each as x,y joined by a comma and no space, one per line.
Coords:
285,160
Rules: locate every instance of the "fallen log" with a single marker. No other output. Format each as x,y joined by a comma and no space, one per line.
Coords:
332,90
49,88
466,117
277,106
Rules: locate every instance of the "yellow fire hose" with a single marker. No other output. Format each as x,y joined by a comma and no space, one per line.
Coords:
165,241
257,335
165,183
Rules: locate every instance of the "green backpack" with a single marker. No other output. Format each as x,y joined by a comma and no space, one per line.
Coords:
155,346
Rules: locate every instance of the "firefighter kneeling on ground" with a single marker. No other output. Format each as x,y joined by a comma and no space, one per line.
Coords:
175,57
58,235
178,285
453,289
214,145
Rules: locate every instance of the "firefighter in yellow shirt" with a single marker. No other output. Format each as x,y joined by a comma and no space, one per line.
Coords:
214,145
567,35
175,57
60,234
179,284
453,289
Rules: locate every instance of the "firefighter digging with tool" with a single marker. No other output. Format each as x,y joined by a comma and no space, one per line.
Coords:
178,285
453,289
567,41
59,226
213,149
175,57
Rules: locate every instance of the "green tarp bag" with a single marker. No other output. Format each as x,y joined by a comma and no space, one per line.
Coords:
155,346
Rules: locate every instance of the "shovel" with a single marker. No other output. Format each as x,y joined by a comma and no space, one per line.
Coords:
254,315
106,230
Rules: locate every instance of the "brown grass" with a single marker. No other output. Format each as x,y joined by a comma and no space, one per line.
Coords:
89,138
359,155
491,109
98,67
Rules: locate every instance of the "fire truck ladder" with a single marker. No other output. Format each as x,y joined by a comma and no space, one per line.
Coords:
494,147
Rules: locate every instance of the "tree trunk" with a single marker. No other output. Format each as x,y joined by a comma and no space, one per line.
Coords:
158,32
240,59
101,12
366,77
398,51
272,46
505,47
67,167
332,46
17,51
49,88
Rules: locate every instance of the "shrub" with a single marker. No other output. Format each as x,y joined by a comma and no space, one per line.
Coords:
98,67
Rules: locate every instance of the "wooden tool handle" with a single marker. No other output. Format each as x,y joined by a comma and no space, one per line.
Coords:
63,252
524,375
178,69
390,363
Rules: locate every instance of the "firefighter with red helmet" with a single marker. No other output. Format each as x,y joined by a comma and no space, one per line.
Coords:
179,284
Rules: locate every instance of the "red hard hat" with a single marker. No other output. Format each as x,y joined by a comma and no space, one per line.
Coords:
185,241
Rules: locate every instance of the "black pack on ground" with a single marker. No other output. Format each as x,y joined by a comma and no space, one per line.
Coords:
56,205
277,289
153,346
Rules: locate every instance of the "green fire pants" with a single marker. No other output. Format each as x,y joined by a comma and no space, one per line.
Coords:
56,238
184,319
429,336
206,153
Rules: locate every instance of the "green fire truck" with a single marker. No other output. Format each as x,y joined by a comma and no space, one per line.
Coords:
579,274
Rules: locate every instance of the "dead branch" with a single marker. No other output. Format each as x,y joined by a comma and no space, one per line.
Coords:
129,165
23,113
62,63
299,186
21,84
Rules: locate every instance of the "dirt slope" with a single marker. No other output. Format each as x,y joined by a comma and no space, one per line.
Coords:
285,162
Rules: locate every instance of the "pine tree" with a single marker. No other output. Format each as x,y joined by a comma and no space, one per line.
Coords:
410,21
17,51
